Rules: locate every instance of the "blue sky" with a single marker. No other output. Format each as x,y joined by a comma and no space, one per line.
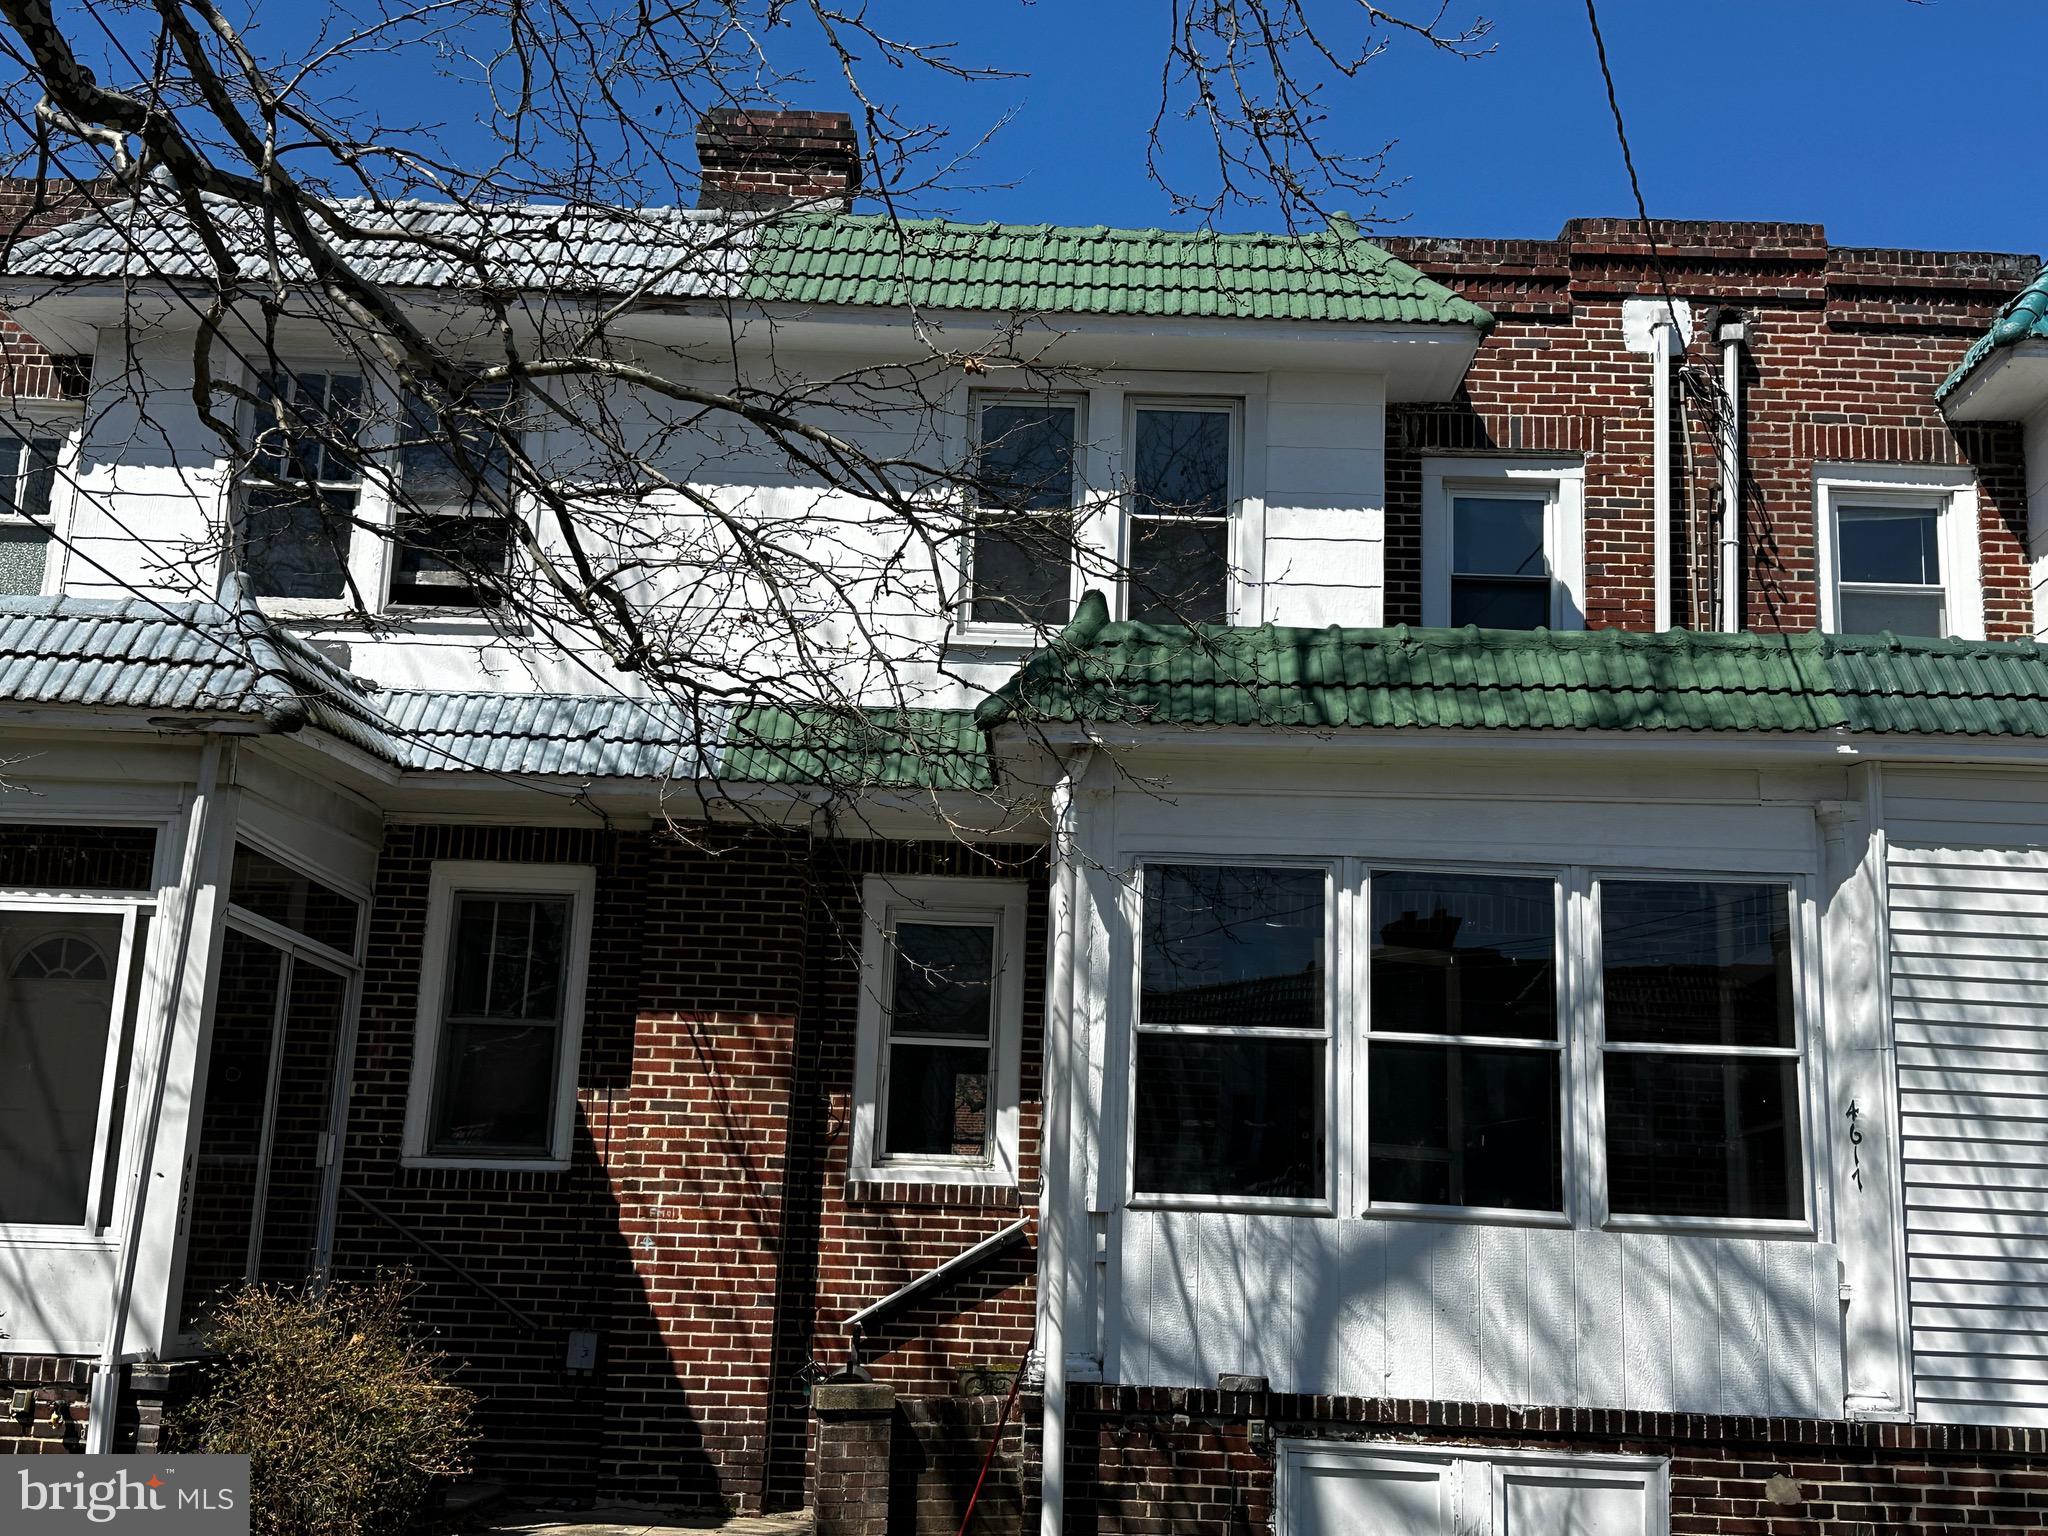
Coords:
1889,122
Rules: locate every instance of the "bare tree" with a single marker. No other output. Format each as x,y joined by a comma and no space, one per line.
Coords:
654,482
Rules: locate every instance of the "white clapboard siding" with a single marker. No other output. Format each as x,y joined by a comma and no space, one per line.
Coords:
1500,1314
1970,1006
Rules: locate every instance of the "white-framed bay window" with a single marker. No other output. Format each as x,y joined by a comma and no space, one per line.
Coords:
940,1030
1503,543
1542,1045
500,1019
1897,550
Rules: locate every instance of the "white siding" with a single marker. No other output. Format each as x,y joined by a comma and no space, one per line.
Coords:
1970,1010
1418,1309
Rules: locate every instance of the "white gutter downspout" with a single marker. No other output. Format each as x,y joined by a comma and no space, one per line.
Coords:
1662,340
99,1424
1733,333
1056,1163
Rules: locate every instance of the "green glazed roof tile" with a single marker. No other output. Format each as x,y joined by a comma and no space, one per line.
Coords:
918,749
1144,674
2024,318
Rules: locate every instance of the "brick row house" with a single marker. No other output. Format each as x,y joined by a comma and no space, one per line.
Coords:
1517,1001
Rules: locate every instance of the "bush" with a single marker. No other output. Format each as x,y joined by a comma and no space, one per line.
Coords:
338,1402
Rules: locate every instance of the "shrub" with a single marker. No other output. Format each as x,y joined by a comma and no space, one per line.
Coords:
339,1403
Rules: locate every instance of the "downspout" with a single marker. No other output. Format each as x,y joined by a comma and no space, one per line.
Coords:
1662,340
1055,1145
1733,333
99,1424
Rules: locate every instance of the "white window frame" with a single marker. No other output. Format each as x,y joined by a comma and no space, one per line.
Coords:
460,877
1562,483
1952,492
1339,898
887,900
437,615
1474,1480
1240,573
1583,1129
112,1070
992,632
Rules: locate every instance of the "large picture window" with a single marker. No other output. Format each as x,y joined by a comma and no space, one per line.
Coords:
1233,1025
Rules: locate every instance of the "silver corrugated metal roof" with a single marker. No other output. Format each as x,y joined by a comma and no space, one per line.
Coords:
226,658
668,252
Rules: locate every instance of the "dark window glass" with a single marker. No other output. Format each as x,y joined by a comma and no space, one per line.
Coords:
295,541
50,856
938,1101
450,560
1235,947
1690,962
502,1026
301,903
1229,1115
1871,611
1896,546
1180,572
1180,508
1464,955
1024,532
1703,1136
941,1039
1465,1125
307,428
1500,574
451,455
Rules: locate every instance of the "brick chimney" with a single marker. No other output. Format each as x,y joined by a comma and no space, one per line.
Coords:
761,159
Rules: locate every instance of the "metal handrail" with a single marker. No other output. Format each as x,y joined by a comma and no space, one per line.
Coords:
900,1298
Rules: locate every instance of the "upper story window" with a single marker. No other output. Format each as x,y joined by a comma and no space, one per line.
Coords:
500,1015
297,503
1503,543
28,472
454,538
940,1030
1183,478
1023,544
1898,551
1490,1068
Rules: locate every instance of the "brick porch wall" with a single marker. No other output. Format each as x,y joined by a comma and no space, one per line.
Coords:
1850,344
1153,1461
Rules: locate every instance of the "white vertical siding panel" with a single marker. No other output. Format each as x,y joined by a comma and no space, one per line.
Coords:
1791,1330
1745,1354
1411,1312
1696,1346
1360,1289
1646,1323
1504,1314
1454,1286
1599,1315
1553,1317
1969,922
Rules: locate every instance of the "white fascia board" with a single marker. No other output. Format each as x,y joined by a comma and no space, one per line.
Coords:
2008,385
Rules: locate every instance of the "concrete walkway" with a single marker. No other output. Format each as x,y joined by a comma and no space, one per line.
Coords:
635,1522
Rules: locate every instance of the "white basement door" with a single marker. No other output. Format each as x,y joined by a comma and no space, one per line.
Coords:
1334,1489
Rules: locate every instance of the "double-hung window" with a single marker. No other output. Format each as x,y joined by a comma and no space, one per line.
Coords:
1022,556
1230,1082
500,1014
1502,543
1898,550
1465,1061
940,1030
454,534
28,472
1182,491
1700,1070
300,487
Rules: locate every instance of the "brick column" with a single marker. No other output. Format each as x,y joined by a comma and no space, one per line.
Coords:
852,1423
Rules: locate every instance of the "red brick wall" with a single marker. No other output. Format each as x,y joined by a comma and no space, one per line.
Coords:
1153,1460
705,1229
1849,346
28,208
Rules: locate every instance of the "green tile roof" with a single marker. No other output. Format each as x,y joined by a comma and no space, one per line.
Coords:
867,259
2024,318
921,749
1524,680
